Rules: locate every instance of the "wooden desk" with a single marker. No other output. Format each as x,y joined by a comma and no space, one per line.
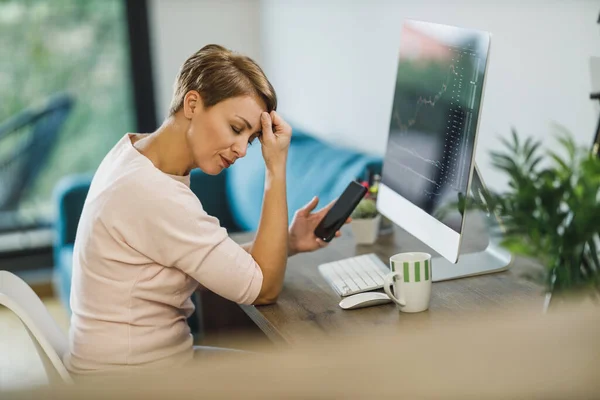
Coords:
308,306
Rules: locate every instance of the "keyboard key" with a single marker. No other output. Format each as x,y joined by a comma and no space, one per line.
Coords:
354,271
347,277
358,267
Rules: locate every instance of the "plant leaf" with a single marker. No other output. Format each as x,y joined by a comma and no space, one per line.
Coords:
534,164
517,245
562,163
515,137
529,152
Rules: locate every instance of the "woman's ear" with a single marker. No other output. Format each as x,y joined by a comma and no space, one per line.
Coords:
192,102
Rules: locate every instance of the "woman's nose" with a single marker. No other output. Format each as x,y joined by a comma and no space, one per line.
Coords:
241,149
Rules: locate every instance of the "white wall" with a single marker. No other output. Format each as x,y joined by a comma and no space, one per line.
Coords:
333,65
178,28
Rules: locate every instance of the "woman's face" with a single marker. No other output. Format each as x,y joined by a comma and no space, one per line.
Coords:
218,136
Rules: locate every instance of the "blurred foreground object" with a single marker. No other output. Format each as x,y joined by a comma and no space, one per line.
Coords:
553,355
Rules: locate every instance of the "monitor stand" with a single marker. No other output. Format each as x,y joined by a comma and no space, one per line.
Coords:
493,259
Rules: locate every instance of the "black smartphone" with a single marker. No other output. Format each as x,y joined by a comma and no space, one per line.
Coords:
340,211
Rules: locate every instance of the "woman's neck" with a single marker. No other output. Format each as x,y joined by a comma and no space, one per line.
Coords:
167,147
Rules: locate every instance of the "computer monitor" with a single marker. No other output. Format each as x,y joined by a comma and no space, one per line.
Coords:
430,155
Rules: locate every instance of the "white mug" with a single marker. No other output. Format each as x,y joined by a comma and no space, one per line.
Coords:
411,279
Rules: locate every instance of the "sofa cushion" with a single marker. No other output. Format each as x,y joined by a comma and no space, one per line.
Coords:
315,168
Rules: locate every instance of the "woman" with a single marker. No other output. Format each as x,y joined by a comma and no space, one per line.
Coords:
144,242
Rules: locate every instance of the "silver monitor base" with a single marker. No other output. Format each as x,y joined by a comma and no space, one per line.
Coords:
493,259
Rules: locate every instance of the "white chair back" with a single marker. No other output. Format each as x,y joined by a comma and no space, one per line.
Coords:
50,342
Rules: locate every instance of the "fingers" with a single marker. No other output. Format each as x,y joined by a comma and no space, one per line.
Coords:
307,209
327,207
349,220
276,118
280,127
267,127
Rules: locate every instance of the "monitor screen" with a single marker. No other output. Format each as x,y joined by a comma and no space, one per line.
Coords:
436,106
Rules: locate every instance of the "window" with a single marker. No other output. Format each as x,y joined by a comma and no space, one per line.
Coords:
67,96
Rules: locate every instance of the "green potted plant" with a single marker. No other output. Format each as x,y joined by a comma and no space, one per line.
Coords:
551,212
366,219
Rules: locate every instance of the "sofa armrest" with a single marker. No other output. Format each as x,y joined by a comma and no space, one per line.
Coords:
69,197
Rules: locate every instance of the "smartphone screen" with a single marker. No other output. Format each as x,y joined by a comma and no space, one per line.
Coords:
341,210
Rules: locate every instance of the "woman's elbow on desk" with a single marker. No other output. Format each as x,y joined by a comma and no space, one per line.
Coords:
268,295
272,282
264,300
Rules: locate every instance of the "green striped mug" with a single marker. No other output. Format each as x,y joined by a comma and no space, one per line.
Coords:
411,280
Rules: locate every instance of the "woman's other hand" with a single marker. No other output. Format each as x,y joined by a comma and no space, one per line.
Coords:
302,236
275,139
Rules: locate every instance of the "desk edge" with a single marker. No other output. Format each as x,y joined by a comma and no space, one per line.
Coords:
268,329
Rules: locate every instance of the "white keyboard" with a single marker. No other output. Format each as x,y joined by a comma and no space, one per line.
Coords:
355,274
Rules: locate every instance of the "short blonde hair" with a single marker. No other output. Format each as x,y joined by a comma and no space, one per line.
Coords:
218,74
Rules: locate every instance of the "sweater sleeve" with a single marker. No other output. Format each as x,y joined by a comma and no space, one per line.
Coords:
172,229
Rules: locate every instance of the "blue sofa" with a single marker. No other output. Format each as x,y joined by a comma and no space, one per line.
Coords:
234,196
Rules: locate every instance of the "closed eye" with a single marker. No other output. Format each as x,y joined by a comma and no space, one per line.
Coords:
253,138
233,128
